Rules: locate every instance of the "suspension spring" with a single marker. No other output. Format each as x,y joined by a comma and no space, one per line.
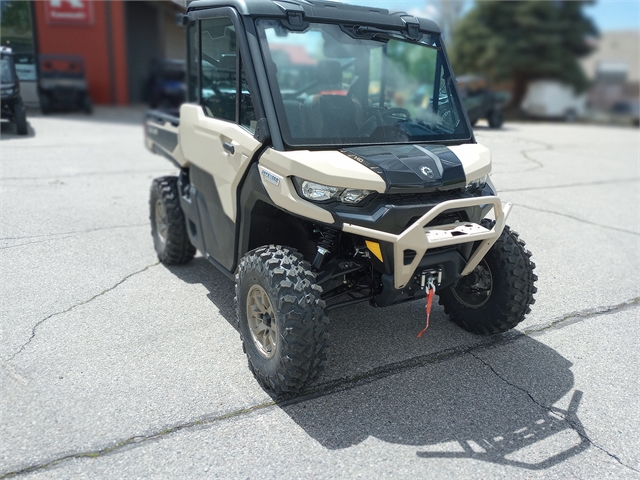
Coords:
326,245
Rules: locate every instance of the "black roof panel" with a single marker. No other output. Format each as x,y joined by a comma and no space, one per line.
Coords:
318,10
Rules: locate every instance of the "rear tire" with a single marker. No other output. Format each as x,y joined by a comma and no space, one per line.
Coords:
168,225
45,104
497,295
20,115
282,319
496,119
87,106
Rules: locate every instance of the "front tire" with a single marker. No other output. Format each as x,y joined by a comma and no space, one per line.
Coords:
21,119
168,225
497,295
496,119
282,319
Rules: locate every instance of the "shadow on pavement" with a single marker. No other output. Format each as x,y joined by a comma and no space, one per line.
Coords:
221,289
459,408
9,131
455,407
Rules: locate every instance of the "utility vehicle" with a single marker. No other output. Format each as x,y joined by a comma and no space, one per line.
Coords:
12,108
314,175
63,84
480,101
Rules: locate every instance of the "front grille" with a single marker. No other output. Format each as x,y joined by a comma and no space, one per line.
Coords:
422,198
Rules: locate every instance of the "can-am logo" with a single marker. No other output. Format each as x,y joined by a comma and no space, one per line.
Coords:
69,12
426,171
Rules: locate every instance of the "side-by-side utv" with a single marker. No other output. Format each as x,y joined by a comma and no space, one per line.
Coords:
325,159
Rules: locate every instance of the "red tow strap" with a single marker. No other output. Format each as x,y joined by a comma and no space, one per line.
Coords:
430,292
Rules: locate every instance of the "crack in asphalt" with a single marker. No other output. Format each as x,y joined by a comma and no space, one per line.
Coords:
579,429
578,219
347,383
579,316
51,237
135,440
84,302
35,242
572,185
538,163
73,232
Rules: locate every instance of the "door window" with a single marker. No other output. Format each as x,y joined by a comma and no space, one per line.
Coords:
218,67
221,95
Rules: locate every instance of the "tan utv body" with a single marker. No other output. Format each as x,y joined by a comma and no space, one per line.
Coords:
325,160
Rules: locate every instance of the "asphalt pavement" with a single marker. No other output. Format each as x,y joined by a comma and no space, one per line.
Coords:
115,366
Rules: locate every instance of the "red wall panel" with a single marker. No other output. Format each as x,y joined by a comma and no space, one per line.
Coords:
107,83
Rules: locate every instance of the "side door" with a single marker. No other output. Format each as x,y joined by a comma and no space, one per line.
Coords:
217,130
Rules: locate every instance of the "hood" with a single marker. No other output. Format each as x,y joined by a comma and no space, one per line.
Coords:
407,168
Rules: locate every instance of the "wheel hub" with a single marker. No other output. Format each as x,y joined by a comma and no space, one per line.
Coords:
475,289
261,320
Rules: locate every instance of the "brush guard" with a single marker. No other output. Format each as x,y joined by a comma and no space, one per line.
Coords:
420,239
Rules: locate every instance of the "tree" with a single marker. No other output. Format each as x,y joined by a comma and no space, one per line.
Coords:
524,41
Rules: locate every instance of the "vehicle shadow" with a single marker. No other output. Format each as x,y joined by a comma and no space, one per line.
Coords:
459,408
485,399
221,289
9,132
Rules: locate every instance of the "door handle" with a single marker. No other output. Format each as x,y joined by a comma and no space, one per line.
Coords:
229,148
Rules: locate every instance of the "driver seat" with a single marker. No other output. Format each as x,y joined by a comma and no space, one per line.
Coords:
332,113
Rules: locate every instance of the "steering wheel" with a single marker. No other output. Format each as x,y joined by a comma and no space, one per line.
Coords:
397,113
383,117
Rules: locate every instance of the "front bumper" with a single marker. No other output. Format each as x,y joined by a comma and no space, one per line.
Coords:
420,239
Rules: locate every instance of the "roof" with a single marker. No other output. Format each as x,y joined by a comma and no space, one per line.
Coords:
319,10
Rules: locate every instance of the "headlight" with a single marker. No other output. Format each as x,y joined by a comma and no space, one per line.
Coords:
353,195
318,192
321,193
476,184
8,91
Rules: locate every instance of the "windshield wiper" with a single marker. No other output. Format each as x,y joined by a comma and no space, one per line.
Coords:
367,32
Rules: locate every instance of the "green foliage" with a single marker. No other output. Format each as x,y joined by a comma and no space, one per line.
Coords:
15,17
523,41
417,61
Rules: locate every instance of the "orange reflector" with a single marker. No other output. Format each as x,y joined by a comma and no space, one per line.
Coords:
374,247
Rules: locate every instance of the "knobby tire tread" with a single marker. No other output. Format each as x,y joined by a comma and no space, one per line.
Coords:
178,248
303,337
512,294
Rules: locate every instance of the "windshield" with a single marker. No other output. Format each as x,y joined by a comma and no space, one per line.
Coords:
332,87
6,71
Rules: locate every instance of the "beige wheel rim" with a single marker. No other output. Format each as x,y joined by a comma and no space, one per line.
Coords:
262,321
161,222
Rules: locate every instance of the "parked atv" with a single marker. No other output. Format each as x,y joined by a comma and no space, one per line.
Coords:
12,107
167,89
480,101
315,192
62,84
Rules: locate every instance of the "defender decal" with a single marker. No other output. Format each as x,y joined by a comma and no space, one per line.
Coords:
269,176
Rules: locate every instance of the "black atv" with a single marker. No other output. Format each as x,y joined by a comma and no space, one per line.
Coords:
480,101
12,107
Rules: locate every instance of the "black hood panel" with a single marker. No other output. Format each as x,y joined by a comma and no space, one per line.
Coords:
406,168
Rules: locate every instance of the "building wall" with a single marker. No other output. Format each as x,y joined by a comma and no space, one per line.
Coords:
102,44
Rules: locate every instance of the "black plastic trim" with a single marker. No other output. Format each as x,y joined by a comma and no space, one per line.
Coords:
218,230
